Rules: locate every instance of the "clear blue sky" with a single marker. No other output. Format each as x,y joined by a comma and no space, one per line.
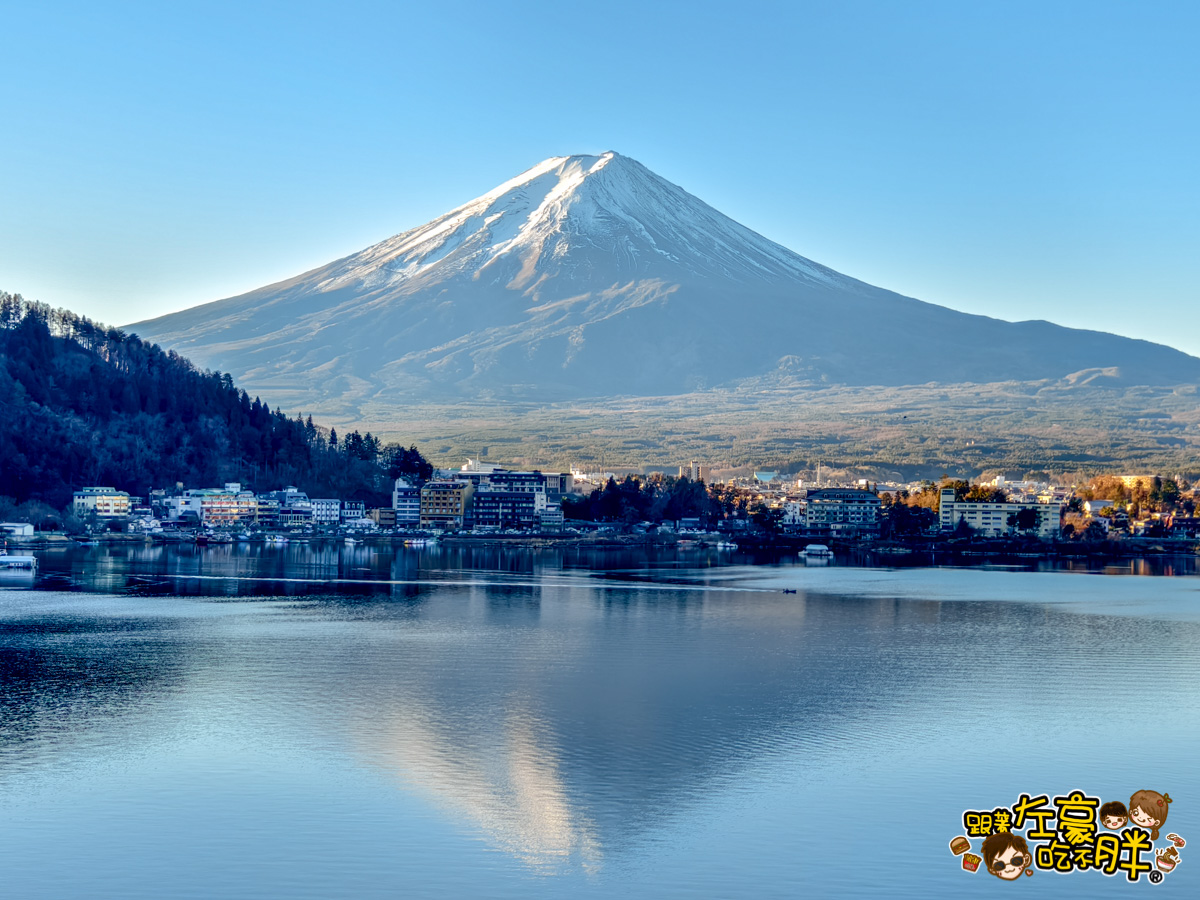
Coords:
1021,160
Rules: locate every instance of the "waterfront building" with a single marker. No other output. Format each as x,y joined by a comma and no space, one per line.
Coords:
218,507
505,506
992,519
294,509
793,514
1184,527
539,503
384,517
446,504
842,511
353,510
406,501
268,512
326,511
105,502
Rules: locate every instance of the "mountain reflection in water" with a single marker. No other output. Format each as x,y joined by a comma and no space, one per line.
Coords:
625,729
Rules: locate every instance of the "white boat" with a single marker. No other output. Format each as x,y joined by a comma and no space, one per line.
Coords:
350,542
17,561
275,539
816,551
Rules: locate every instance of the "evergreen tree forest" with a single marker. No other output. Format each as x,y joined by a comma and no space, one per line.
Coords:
82,404
657,498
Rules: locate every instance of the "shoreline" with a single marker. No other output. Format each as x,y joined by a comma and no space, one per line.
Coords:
919,551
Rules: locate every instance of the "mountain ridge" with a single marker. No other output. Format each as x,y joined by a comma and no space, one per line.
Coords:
591,276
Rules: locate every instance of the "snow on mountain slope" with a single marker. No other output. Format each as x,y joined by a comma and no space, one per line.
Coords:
608,203
592,276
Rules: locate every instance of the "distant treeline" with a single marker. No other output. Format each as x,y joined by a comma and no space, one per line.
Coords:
664,498
82,404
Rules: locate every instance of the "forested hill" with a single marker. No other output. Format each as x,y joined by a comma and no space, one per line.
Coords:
82,404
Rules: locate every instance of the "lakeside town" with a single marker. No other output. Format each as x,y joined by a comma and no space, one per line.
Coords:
1109,514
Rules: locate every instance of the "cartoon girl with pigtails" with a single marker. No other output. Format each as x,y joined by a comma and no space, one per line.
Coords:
1149,810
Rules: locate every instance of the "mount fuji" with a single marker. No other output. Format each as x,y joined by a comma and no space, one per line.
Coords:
593,277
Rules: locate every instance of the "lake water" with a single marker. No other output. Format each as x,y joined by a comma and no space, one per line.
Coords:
308,722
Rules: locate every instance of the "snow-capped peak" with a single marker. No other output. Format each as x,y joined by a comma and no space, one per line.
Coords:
575,215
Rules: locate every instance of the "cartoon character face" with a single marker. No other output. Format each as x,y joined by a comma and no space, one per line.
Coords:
1143,818
1149,810
1113,815
1005,854
1009,863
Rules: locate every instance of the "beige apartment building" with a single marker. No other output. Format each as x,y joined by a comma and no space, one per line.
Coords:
445,504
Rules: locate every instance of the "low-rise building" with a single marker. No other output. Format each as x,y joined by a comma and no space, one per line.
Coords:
105,502
995,519
353,510
1184,526
268,512
551,517
383,517
793,514
295,510
295,516
1093,507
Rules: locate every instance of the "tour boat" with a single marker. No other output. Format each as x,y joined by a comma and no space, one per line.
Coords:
816,551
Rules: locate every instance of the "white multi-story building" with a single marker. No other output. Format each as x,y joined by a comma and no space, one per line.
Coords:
326,511
992,519
793,513
105,502
406,501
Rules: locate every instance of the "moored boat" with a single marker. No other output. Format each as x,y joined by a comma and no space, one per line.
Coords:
17,561
816,551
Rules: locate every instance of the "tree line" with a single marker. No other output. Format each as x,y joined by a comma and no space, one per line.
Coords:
660,498
82,404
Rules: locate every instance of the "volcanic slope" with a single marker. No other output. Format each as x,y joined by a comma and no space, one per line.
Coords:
593,277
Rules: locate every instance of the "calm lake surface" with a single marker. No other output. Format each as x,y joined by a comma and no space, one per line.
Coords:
350,721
